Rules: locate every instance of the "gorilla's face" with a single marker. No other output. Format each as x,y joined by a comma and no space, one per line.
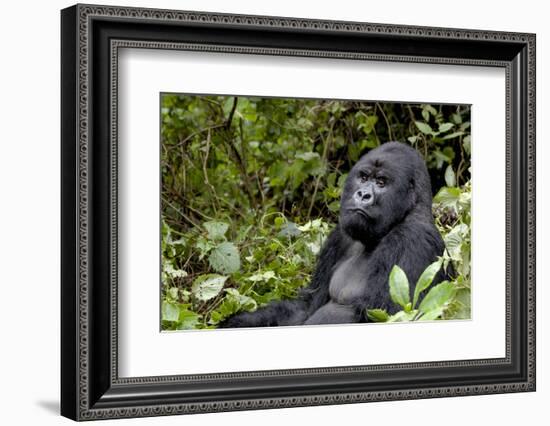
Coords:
380,191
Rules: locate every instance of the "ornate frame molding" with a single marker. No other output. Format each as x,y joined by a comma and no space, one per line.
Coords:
91,388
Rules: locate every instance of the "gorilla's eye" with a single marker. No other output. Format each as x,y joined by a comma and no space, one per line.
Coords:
363,177
381,182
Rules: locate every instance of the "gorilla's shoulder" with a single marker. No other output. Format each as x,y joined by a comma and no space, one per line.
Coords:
423,235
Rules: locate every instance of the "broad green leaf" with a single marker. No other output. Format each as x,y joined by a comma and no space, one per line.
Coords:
308,156
263,276
403,316
289,229
426,115
279,222
368,125
465,125
450,178
430,108
187,320
170,311
463,300
425,280
454,240
228,105
173,292
442,157
466,142
180,242
172,272
246,303
399,286
445,127
204,246
334,206
432,315
208,286
448,197
314,246
377,315
216,230
452,135
438,297
465,251
424,128
225,258
306,227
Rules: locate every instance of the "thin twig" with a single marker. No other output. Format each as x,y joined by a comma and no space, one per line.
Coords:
198,132
390,134
187,218
231,113
326,144
205,171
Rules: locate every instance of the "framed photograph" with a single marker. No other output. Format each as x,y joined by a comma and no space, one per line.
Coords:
263,212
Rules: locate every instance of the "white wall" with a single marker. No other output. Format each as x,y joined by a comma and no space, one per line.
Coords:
29,213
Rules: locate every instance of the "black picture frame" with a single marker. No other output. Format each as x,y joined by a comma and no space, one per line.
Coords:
90,386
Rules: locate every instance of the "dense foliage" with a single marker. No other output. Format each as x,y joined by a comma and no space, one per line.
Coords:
251,187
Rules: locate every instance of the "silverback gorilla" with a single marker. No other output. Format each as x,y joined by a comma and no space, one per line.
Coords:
385,220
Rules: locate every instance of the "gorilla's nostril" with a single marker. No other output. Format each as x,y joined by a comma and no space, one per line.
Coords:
367,196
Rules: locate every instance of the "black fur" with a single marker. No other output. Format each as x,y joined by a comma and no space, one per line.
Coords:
385,220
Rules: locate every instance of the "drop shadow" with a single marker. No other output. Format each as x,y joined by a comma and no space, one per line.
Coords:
50,406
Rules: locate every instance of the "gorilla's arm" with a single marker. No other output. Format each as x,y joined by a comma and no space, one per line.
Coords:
295,312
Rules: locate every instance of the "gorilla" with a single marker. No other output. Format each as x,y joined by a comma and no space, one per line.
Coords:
385,220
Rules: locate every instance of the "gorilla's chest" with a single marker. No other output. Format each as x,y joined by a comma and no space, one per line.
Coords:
349,279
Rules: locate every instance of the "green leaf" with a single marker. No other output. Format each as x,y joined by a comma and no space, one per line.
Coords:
461,304
204,246
450,178
445,127
452,135
308,156
424,128
208,286
403,316
216,230
426,114
170,311
442,157
172,272
425,280
289,229
430,108
225,258
399,287
377,315
456,244
368,125
467,144
173,292
448,197
263,276
246,303
432,315
438,297
187,320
